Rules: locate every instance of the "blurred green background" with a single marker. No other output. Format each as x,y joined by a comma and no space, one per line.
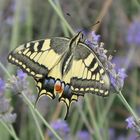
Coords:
25,20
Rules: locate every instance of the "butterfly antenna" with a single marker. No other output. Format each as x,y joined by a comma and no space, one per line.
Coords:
94,24
68,14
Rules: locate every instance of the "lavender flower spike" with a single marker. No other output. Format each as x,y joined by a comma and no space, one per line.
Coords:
21,75
133,35
130,123
95,37
2,87
133,124
83,135
61,127
6,114
117,78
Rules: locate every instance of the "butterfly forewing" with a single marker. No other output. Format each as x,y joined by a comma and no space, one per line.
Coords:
37,58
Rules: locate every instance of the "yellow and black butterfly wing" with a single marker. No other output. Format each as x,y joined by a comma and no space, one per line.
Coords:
37,58
86,75
89,75
78,70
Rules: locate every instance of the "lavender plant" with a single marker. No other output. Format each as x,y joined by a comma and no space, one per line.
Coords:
7,117
37,23
62,128
82,135
6,109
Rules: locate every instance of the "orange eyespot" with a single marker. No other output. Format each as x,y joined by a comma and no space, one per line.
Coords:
58,87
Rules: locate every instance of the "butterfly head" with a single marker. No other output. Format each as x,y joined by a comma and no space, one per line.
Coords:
77,38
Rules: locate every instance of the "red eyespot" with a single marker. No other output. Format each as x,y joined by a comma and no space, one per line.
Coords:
58,87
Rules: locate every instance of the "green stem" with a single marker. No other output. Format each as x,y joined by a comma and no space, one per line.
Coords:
40,116
92,116
15,35
13,132
15,30
84,119
98,107
29,21
73,121
134,89
5,70
61,16
106,110
10,130
65,29
127,105
37,124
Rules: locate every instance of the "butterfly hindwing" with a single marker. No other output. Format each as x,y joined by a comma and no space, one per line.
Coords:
55,87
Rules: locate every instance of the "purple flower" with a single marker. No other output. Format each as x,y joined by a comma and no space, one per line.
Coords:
21,75
117,79
98,48
93,41
133,136
2,87
61,127
95,37
4,105
119,61
83,135
8,117
112,134
6,114
122,137
134,125
18,83
133,36
122,74
131,123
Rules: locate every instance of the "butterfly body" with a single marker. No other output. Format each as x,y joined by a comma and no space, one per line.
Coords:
64,67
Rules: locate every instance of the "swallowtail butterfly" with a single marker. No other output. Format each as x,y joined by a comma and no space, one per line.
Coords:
65,67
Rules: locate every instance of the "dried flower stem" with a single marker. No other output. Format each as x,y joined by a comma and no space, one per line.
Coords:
101,15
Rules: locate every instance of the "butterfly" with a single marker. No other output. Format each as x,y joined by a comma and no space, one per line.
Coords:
63,67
